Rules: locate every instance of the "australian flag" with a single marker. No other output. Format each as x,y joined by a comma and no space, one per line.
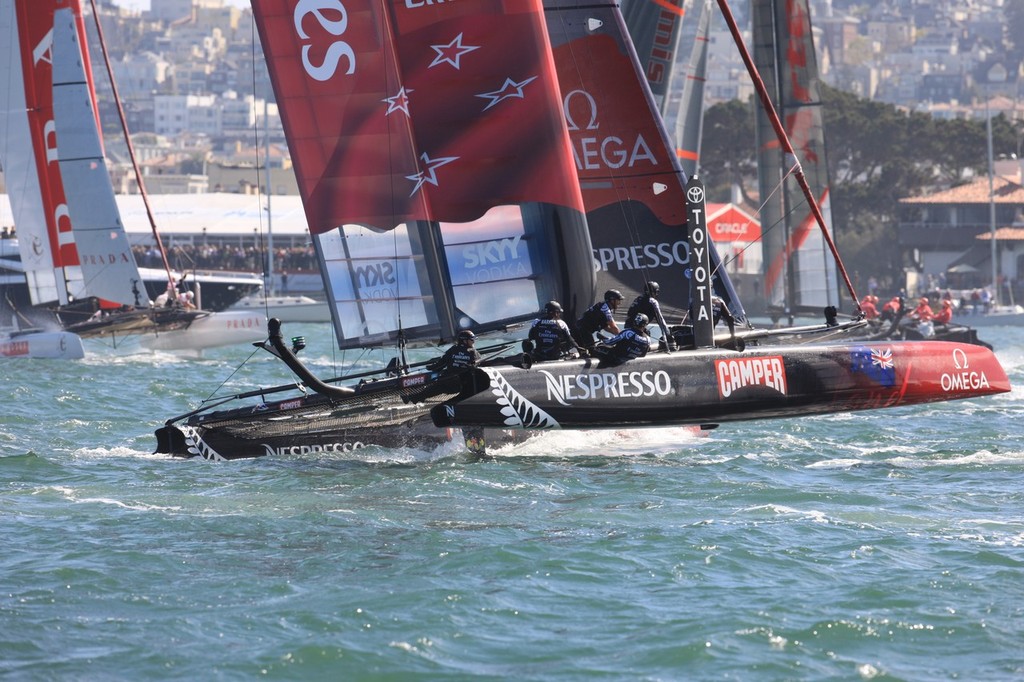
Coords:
875,363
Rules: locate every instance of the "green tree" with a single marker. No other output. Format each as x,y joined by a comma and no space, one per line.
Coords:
728,153
877,154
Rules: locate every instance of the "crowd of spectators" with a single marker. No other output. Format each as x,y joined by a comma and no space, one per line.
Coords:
227,257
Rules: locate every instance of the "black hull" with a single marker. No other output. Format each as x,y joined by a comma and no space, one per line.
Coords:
391,413
219,444
701,387
704,387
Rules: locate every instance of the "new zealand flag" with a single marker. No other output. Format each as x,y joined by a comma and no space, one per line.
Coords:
875,363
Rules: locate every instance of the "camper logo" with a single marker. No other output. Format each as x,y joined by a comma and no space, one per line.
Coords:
768,371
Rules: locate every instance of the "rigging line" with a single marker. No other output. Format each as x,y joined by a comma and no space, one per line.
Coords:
213,394
787,146
778,187
259,183
128,142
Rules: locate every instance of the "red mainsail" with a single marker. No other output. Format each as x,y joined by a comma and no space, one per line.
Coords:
407,111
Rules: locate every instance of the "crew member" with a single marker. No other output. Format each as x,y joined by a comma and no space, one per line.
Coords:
867,306
596,318
647,303
891,309
550,335
923,312
633,342
945,315
462,355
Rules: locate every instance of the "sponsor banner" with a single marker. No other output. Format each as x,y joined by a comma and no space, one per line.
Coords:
735,373
567,388
965,378
726,223
286,450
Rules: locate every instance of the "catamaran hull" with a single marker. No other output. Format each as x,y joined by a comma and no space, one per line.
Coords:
714,385
225,328
185,440
50,345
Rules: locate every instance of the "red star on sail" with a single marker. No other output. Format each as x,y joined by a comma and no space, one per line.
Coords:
452,52
509,89
354,160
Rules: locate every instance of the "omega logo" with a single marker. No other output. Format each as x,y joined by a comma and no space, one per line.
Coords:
592,152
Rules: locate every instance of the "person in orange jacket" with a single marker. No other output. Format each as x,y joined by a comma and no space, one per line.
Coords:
945,315
923,312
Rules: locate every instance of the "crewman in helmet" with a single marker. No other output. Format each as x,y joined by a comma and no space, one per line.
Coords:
647,303
550,335
945,315
597,318
632,342
462,355
923,312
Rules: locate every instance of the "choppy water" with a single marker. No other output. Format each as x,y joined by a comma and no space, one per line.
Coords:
885,545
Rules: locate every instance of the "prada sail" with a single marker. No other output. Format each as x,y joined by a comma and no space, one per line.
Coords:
108,266
689,119
28,152
655,27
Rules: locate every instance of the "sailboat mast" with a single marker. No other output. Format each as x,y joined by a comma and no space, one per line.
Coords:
992,204
270,228
128,141
787,146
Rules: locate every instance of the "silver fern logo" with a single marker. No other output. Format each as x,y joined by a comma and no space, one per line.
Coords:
198,447
517,410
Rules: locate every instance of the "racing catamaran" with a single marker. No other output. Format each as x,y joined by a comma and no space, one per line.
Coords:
450,187
82,276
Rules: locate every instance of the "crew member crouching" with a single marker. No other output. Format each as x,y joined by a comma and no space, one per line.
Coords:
632,342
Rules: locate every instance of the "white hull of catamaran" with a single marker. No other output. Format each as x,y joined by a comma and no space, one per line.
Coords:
1003,316
286,308
50,345
225,328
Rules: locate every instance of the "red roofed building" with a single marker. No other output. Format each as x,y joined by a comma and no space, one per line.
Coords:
948,234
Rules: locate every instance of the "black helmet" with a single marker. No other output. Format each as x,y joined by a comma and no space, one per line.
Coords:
612,295
552,307
639,322
467,335
651,289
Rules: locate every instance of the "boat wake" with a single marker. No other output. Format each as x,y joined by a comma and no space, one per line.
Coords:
618,443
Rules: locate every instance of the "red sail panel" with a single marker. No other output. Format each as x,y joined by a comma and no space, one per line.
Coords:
35,27
415,111
800,271
620,149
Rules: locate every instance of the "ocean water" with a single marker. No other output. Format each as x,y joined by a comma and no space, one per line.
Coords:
886,545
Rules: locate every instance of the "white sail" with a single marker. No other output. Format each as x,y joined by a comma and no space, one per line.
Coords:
23,167
690,118
108,266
